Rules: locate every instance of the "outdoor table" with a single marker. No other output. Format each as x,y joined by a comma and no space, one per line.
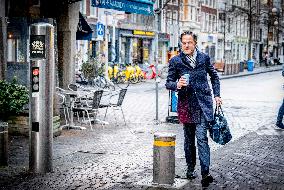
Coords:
72,95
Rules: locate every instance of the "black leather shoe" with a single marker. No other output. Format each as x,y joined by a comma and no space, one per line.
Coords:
191,175
206,180
280,125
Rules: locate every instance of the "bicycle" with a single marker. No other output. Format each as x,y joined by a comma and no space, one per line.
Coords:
130,74
121,80
102,82
139,73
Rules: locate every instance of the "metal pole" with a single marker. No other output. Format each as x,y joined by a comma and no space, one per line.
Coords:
156,61
41,97
164,158
3,144
267,42
106,43
224,36
250,30
113,54
278,20
156,40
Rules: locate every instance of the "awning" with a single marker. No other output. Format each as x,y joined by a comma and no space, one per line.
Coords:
144,7
84,31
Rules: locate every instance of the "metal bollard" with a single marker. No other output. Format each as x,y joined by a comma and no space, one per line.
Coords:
3,144
41,97
164,158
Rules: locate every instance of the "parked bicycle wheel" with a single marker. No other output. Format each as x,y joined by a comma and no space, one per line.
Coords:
122,82
133,79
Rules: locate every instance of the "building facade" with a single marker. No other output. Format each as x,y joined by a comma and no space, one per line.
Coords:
208,32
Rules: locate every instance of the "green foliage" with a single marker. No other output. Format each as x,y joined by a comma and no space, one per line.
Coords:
92,68
13,97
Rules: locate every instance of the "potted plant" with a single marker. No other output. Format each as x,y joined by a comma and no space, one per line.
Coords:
92,68
13,98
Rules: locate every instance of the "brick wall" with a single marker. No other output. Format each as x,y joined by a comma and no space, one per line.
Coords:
19,125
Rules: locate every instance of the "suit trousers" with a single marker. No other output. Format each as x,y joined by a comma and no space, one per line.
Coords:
280,113
200,131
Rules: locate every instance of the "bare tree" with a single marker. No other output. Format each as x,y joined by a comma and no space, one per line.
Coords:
250,11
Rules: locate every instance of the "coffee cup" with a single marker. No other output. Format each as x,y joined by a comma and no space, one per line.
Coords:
186,77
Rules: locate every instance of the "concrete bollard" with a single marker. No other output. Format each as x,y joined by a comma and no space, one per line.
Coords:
164,158
3,144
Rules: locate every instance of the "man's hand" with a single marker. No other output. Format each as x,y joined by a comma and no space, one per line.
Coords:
181,83
218,100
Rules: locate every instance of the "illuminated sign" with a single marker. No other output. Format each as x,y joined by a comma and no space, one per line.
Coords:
144,33
37,46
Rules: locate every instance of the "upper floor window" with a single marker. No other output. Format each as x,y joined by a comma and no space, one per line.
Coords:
175,16
169,15
93,10
214,24
83,7
174,2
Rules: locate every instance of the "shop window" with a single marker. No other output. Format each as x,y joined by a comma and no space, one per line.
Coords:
93,48
14,51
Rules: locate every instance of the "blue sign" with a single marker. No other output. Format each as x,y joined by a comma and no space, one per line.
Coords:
100,29
144,7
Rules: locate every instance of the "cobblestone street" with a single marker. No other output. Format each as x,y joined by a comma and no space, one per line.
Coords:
115,156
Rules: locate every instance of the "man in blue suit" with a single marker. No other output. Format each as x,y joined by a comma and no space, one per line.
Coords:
279,122
195,105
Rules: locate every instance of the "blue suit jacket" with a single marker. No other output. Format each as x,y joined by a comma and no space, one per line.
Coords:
196,97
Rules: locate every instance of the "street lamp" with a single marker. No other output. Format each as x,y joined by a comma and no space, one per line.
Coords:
224,19
276,12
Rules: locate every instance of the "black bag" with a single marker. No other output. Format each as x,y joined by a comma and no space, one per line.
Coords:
218,129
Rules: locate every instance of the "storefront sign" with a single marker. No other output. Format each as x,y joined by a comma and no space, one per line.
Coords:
37,46
241,40
164,37
144,33
144,7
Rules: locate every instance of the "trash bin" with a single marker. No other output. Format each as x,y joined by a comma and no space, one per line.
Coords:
3,144
250,65
241,66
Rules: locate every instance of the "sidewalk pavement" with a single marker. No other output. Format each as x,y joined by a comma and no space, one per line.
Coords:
255,71
120,157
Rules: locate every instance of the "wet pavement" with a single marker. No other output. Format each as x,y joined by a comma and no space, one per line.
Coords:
116,156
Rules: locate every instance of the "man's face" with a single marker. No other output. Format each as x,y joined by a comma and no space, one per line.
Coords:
188,44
